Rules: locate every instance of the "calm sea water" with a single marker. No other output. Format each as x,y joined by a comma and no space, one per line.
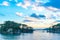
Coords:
36,35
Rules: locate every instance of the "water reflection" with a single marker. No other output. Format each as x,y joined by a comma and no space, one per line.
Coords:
36,35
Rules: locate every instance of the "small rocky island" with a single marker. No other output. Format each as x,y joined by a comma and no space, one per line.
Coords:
10,27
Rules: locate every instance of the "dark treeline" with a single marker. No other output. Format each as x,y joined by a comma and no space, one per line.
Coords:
54,28
11,27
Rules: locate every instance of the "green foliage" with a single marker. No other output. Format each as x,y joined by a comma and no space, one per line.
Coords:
55,28
9,25
13,27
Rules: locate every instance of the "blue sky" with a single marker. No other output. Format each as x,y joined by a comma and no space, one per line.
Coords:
30,12
54,3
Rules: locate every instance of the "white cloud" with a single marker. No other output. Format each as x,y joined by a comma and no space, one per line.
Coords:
29,3
25,5
39,23
32,19
42,1
40,20
5,3
19,14
57,15
19,4
50,20
39,8
52,8
50,12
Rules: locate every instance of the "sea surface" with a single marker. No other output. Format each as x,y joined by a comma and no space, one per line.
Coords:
36,35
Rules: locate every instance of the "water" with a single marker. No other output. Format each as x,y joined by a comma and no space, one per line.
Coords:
36,35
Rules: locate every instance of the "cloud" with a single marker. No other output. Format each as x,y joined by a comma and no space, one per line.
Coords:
24,5
29,3
27,20
34,15
5,3
49,13
38,8
33,19
19,14
49,18
42,1
43,8
57,15
41,16
39,23
53,9
19,4
37,16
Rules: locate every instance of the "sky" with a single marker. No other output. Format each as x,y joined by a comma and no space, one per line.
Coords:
34,13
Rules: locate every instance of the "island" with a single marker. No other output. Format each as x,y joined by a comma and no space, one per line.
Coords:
11,27
54,28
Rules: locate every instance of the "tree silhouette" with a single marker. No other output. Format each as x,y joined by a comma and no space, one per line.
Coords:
10,27
55,28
